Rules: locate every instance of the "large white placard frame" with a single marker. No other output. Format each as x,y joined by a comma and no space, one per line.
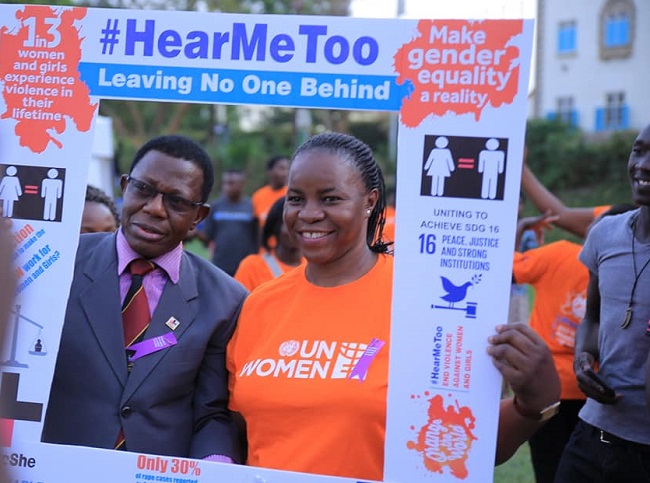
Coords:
443,392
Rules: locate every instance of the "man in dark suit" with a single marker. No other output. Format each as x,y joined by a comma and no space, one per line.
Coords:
172,398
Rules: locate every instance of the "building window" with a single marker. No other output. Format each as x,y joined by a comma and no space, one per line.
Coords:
617,31
566,112
615,114
617,23
566,37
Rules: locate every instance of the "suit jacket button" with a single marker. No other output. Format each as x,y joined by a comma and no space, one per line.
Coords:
126,411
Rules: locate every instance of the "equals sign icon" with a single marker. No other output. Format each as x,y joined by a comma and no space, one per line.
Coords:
466,163
31,189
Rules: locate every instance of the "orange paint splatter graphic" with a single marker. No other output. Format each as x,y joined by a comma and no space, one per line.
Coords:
458,66
38,66
446,439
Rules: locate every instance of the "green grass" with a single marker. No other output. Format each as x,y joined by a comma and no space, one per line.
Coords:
516,470
195,246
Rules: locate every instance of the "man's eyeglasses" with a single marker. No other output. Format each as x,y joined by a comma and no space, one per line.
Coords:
145,191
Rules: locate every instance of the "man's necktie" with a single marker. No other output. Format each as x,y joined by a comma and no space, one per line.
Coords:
135,314
135,309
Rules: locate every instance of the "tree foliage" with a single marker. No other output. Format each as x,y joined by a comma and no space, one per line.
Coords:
563,157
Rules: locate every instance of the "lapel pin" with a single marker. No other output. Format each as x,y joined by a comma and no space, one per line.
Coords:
172,323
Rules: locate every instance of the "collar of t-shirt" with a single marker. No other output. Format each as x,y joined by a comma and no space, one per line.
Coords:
168,267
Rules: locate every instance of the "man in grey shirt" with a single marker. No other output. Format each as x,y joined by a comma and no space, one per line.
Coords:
231,231
611,443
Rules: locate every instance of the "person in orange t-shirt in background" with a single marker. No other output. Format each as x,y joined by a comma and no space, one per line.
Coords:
308,406
560,283
277,170
256,269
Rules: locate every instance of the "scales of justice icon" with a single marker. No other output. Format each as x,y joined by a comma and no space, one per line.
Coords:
37,348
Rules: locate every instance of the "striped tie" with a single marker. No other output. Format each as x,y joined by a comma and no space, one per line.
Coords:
135,315
135,309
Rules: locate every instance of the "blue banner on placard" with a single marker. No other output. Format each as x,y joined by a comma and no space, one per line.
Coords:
317,90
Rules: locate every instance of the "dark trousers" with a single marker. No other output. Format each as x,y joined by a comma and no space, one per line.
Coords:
589,459
547,444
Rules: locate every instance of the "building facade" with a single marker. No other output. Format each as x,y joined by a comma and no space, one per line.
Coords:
592,67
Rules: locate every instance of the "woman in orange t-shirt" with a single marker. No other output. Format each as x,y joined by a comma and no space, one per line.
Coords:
258,268
295,378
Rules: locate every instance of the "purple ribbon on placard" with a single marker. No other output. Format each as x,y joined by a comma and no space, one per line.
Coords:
360,369
155,344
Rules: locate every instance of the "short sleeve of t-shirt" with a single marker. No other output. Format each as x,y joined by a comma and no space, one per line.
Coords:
529,266
589,253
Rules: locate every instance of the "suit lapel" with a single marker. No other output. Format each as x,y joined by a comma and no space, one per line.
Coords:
101,304
174,302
